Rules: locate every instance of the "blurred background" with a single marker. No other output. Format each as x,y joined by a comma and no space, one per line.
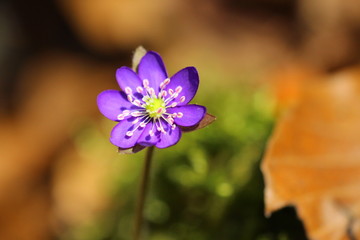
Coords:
60,178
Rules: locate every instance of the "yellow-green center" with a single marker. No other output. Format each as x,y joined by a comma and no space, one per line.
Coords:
155,107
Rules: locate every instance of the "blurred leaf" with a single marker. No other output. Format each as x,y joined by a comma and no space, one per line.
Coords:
313,159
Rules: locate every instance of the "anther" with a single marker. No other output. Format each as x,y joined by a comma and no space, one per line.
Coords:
136,114
129,133
173,104
137,103
170,120
142,124
182,99
178,89
139,89
167,81
128,90
160,110
180,114
164,83
146,83
162,94
151,91
171,91
151,133
129,97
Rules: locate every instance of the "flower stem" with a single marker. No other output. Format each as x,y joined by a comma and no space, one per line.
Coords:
142,193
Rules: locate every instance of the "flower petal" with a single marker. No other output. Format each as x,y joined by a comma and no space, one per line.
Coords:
126,77
188,80
171,137
118,134
112,102
145,138
190,114
152,68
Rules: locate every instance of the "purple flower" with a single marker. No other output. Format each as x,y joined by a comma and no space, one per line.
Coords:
152,108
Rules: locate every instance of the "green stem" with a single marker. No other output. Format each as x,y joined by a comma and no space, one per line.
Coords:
142,193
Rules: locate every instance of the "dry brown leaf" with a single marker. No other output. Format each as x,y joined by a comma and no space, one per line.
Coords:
288,81
313,159
207,120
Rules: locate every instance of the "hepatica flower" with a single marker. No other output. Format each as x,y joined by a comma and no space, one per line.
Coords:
153,108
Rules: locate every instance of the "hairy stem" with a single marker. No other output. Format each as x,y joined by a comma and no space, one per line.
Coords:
142,193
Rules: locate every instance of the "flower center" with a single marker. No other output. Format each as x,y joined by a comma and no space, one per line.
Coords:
155,107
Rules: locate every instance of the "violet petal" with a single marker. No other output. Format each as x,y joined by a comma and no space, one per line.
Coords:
126,77
188,80
171,137
145,139
111,103
190,114
152,68
119,137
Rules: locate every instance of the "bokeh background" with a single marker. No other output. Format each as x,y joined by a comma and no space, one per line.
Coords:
60,178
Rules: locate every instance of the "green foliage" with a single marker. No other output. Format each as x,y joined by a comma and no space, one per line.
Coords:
208,186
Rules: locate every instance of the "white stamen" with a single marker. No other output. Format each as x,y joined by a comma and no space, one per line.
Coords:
160,127
180,114
178,89
146,83
128,90
130,98
173,104
160,110
170,120
164,83
145,98
120,117
167,81
142,124
151,133
162,94
173,126
136,121
126,112
137,103
137,114
129,133
182,99
171,91
151,91
139,89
